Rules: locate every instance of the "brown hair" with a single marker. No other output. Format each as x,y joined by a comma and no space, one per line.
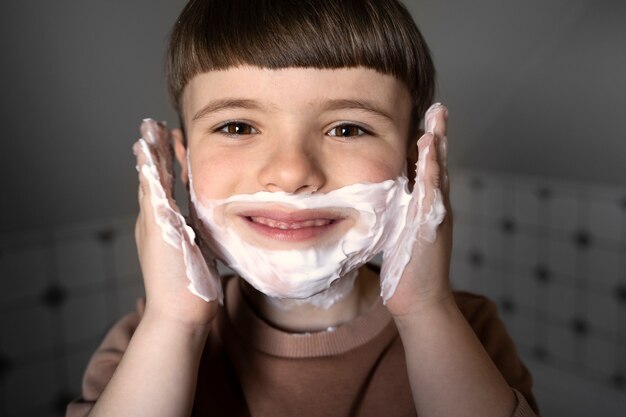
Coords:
377,34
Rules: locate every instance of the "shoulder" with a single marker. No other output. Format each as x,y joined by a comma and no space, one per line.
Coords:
476,308
105,359
482,315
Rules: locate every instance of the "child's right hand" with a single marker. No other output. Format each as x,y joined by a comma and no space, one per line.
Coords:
168,254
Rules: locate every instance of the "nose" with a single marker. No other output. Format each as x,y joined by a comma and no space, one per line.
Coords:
292,168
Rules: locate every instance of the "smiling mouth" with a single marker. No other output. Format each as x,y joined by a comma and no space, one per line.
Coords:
292,226
283,225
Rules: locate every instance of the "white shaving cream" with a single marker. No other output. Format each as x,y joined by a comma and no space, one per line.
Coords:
377,211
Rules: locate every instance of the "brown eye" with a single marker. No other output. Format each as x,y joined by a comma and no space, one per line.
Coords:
237,128
346,131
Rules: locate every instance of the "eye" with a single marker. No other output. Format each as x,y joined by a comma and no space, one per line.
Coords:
236,129
347,130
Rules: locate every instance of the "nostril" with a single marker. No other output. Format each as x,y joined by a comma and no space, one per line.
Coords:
306,189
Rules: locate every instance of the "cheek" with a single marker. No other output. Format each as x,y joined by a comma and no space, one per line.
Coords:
367,166
215,176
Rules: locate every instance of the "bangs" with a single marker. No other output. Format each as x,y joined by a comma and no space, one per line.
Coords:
274,34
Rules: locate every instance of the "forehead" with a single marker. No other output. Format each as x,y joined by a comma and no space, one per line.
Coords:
294,89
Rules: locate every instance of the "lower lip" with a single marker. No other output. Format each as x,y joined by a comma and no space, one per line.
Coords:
292,235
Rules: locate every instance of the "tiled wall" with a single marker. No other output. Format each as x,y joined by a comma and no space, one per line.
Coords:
551,254
59,292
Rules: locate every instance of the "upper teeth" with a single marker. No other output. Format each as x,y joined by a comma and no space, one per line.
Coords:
295,225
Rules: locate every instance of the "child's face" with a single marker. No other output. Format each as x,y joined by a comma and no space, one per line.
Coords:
294,130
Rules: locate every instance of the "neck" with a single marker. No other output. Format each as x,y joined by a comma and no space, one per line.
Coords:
347,298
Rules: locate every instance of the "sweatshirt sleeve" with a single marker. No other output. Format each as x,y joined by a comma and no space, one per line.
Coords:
103,363
482,315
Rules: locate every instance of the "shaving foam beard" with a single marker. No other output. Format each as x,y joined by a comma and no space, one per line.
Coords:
379,213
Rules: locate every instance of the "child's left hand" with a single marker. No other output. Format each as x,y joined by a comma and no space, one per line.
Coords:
425,279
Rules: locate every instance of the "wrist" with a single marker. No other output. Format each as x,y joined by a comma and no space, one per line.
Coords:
195,332
425,310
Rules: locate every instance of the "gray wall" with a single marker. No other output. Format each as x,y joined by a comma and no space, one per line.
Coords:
77,78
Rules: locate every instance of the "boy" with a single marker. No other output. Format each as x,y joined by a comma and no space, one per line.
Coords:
299,120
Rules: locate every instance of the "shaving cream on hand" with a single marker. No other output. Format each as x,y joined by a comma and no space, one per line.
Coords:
158,170
424,214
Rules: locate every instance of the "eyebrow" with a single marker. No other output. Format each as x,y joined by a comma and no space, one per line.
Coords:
342,104
338,104
228,103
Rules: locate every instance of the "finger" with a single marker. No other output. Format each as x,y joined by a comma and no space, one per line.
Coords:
427,163
159,139
436,122
145,166
141,159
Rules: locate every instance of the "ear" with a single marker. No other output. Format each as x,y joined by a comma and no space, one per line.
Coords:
180,149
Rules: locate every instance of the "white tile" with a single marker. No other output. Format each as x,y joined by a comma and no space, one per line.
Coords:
562,343
561,301
23,273
86,317
463,235
126,259
492,240
600,356
462,195
492,198
29,330
128,299
526,250
80,262
492,283
526,207
563,257
509,250
31,387
605,218
524,291
603,311
525,330
563,214
604,266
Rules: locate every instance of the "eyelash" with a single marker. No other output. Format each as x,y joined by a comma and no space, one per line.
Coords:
235,124
361,131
